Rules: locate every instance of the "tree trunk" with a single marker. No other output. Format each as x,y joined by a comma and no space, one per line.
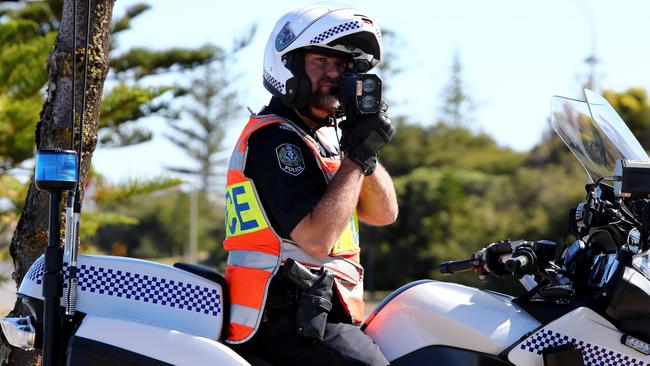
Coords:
54,131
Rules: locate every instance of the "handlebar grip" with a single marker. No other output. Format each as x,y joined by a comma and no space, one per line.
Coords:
515,263
451,267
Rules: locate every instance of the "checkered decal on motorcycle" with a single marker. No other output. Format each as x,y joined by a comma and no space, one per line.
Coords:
139,287
336,30
276,84
35,273
593,355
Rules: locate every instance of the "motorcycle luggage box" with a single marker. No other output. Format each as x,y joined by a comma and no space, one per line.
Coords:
143,291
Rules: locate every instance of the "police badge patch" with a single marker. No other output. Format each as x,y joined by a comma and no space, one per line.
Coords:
290,159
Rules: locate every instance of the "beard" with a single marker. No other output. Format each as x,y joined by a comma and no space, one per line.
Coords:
321,99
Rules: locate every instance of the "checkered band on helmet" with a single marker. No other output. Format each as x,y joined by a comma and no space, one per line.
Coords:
334,31
276,84
338,28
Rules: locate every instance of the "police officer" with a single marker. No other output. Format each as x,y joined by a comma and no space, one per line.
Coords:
292,195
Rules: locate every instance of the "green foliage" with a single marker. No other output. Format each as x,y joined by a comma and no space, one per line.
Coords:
199,126
213,107
442,145
162,227
143,62
123,23
128,102
17,129
109,193
12,197
46,14
4,256
124,104
17,31
27,33
449,213
22,66
634,108
102,205
459,191
94,219
22,76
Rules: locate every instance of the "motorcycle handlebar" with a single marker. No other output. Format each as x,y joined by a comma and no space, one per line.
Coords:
451,267
515,263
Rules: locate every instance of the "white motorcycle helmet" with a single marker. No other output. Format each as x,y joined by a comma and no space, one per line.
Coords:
339,31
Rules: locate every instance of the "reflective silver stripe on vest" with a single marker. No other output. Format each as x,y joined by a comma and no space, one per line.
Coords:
252,259
341,267
244,315
237,157
247,131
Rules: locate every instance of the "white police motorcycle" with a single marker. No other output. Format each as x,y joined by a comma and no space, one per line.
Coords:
590,306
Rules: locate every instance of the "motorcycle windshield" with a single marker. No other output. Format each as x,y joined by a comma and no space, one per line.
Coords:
594,133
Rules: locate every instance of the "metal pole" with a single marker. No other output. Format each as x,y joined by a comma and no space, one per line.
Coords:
194,226
53,286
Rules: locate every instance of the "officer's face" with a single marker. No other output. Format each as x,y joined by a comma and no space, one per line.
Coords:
323,72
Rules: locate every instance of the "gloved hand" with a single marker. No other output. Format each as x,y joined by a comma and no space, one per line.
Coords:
492,256
363,136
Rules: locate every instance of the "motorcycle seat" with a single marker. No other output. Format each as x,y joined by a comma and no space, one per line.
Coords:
214,276
205,272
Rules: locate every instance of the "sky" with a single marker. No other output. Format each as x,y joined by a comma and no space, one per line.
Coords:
515,54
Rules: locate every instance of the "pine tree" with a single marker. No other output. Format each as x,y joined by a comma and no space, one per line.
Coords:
27,32
54,131
199,125
198,128
457,105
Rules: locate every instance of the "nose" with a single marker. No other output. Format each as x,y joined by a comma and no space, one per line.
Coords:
333,69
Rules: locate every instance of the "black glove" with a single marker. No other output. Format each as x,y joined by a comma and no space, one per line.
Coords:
493,254
363,136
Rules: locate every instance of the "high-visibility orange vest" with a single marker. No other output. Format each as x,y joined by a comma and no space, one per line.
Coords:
256,251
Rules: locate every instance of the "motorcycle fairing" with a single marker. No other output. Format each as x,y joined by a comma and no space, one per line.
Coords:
598,339
143,291
447,314
157,345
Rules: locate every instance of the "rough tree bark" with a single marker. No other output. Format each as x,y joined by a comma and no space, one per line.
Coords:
53,130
